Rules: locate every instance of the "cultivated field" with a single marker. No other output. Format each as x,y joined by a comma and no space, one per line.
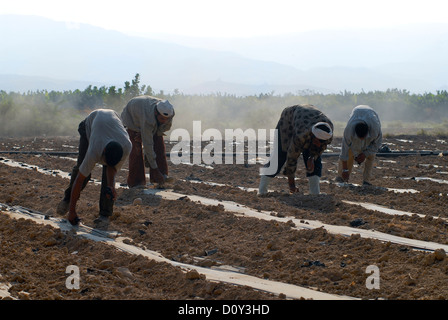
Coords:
209,236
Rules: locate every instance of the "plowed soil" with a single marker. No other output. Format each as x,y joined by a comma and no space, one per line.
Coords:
33,258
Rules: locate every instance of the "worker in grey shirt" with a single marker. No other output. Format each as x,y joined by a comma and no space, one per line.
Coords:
361,141
146,118
103,140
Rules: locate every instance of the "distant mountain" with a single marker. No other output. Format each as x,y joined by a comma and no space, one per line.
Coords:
413,47
38,52
411,57
240,89
40,47
20,83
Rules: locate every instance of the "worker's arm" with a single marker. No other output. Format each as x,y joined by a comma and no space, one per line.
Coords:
111,172
345,172
346,143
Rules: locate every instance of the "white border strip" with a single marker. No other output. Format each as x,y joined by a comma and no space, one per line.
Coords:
299,223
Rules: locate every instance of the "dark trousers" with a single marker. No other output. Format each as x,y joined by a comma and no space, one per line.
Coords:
106,204
282,155
136,176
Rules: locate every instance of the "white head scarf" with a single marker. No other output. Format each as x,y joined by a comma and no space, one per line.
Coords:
165,108
321,134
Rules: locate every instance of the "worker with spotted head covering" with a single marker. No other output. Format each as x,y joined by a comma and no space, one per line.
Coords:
302,130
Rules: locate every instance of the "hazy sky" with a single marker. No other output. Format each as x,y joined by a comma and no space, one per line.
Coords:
232,18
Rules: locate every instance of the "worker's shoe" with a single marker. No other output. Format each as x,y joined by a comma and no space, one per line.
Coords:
62,208
263,187
366,183
338,179
168,179
314,184
102,222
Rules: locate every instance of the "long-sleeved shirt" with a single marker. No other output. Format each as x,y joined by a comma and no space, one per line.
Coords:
103,126
138,115
294,127
371,143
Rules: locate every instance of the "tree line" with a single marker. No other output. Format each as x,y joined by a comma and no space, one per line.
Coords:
37,113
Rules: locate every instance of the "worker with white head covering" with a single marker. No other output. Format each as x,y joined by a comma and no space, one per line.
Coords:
361,140
302,130
146,118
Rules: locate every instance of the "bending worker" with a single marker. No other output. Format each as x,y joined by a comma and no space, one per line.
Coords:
103,139
146,118
361,141
302,129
